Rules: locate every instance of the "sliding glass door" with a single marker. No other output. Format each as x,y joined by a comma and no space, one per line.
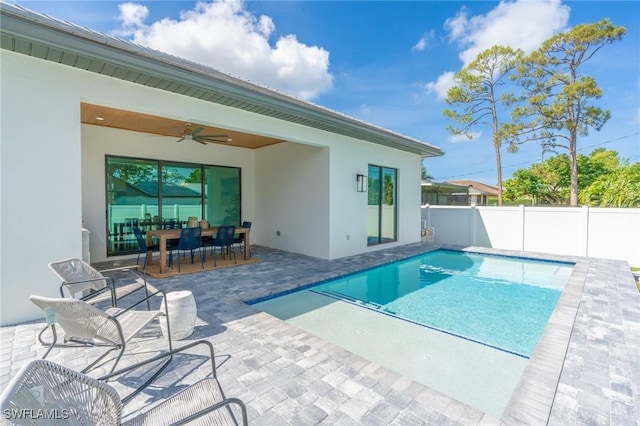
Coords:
382,222
132,196
154,194
222,195
181,192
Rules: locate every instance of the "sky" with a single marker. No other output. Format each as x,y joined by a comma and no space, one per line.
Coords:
389,63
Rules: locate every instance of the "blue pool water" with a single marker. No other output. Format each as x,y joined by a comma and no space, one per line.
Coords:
503,302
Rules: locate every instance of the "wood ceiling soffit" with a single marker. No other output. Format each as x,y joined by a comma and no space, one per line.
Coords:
151,124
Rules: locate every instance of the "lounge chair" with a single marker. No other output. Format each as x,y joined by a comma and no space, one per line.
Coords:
78,277
84,324
85,400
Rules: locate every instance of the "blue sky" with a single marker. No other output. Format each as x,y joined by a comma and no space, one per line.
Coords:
386,62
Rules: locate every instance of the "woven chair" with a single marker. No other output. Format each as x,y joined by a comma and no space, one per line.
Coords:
84,324
78,277
85,400
63,394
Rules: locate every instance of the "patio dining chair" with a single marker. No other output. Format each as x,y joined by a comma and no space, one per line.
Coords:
224,240
143,248
86,325
190,240
44,386
241,238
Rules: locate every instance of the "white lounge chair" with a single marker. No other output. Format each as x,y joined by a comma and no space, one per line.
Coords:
84,324
79,277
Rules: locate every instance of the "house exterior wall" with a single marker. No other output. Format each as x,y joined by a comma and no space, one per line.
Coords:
349,208
52,175
40,181
292,198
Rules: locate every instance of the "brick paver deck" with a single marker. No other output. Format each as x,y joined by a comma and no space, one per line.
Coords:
586,368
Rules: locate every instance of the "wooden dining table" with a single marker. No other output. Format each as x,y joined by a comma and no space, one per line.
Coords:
173,234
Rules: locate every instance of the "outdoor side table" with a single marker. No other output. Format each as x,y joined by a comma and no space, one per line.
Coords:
182,314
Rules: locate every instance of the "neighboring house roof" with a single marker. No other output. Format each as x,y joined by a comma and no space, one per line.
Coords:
445,187
478,187
47,38
168,190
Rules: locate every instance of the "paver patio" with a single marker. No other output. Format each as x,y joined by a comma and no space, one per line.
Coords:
586,369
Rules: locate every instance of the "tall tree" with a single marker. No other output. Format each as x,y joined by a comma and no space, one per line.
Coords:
557,108
475,94
423,173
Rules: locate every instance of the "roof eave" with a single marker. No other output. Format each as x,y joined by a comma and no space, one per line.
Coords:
36,35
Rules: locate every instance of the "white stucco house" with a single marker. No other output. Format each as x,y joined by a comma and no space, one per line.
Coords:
89,125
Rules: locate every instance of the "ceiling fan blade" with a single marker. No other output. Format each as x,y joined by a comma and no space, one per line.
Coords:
197,130
215,138
205,141
180,140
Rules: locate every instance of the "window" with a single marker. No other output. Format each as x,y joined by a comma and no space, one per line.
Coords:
382,222
156,194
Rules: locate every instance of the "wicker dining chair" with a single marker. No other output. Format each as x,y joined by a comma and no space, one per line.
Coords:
80,399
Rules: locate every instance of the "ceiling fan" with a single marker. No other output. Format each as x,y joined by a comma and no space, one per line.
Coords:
194,135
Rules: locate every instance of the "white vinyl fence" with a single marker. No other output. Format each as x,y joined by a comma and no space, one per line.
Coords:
609,233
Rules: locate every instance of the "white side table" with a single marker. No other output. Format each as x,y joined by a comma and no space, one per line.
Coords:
182,314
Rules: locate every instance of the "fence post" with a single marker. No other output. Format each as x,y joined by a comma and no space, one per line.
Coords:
585,230
522,223
472,219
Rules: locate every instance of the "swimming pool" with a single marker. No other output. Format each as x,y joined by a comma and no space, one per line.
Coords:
494,300
499,301
361,313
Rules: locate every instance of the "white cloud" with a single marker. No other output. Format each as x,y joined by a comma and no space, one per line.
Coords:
225,36
442,85
132,16
520,24
464,138
424,42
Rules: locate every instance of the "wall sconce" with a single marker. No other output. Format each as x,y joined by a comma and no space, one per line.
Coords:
361,183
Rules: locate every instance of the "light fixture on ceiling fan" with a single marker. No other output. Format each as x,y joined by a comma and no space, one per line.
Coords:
194,135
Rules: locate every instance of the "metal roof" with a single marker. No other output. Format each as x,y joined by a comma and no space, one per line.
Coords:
41,36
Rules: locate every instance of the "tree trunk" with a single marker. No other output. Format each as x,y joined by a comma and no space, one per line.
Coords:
497,143
573,157
499,169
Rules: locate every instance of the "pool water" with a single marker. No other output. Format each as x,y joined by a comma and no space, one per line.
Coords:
500,301
454,321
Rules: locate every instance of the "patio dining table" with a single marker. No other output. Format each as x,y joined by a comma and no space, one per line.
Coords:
173,234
